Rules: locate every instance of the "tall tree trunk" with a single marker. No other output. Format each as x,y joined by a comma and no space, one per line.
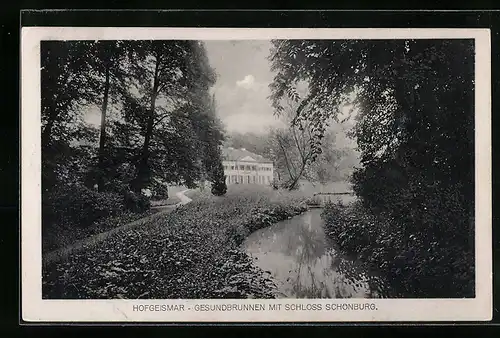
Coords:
143,162
102,138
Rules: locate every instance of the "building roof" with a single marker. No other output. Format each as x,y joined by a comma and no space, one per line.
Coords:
233,154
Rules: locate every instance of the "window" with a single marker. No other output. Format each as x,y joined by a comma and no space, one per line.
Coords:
234,179
242,167
254,179
248,179
232,167
241,179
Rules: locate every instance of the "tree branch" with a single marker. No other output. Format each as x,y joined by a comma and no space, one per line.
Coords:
161,118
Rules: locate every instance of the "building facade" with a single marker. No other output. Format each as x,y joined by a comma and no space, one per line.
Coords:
244,167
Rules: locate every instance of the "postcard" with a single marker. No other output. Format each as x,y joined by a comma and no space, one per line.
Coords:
255,175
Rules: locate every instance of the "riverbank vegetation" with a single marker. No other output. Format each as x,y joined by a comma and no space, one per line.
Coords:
414,264
190,253
413,106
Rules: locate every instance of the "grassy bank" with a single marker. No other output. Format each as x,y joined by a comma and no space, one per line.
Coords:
190,253
413,264
60,236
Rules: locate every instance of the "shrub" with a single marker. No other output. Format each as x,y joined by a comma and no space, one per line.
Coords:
159,190
426,230
219,186
136,202
79,205
435,261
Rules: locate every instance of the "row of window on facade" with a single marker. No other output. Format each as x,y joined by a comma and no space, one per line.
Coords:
246,167
248,179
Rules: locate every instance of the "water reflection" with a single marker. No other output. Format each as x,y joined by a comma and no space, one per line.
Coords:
303,261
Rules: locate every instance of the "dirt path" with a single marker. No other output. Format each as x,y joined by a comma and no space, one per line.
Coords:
63,253
184,199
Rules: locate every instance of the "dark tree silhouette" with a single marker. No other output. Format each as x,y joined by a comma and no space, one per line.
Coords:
219,186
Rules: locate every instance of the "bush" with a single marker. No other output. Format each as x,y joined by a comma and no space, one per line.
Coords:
219,186
136,202
79,205
435,261
159,190
425,230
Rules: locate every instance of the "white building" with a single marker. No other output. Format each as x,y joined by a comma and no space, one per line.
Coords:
244,167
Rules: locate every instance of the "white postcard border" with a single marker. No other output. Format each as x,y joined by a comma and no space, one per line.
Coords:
35,309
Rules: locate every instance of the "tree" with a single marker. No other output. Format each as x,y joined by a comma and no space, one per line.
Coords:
168,114
158,124
65,87
219,186
158,71
109,58
327,166
65,84
294,148
204,121
164,122
414,98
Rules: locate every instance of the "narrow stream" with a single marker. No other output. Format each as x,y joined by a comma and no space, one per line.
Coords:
304,263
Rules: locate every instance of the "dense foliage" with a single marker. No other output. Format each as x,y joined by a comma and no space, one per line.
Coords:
415,129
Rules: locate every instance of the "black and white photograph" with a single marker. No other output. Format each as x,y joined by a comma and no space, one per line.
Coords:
322,172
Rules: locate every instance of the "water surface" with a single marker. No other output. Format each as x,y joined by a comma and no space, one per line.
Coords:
305,263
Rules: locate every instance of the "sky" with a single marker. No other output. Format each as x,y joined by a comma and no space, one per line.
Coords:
242,86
